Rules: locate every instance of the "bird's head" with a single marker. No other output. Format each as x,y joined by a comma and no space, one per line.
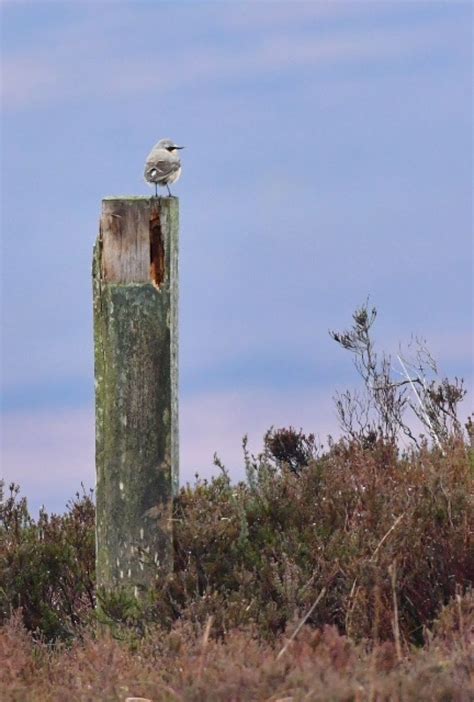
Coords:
169,145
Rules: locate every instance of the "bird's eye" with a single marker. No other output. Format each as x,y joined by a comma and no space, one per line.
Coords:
170,148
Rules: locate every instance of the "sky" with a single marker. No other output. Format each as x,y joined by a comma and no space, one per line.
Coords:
328,158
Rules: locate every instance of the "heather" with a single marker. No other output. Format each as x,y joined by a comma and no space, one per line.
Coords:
353,562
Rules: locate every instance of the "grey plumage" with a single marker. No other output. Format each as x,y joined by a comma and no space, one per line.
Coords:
163,164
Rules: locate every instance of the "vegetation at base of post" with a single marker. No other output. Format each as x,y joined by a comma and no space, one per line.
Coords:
47,565
378,537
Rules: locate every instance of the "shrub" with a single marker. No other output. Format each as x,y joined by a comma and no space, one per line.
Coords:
384,406
382,539
47,565
369,526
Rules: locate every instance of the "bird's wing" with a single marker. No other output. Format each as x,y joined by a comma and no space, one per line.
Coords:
157,168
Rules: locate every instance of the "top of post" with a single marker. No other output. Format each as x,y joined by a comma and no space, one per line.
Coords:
132,235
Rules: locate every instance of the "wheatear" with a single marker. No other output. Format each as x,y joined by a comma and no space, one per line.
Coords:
163,165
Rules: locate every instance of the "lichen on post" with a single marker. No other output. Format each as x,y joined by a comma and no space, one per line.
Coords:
135,282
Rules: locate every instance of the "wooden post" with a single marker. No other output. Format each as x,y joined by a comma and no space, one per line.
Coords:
135,280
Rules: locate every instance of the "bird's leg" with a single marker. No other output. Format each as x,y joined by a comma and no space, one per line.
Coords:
156,189
169,191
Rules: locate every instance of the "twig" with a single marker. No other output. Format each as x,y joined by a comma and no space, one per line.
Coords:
395,523
207,631
420,402
461,621
397,385
308,582
205,639
302,622
351,603
392,570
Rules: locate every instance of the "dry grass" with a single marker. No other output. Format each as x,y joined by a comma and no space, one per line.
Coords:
180,665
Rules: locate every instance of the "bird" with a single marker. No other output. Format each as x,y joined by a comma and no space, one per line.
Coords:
163,165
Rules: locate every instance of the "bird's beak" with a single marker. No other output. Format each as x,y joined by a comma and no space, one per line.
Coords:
178,147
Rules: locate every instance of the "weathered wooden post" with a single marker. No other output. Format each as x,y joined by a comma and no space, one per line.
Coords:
135,280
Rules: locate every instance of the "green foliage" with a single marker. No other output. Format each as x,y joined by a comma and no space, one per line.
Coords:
47,565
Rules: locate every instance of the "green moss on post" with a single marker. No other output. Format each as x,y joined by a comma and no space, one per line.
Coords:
135,274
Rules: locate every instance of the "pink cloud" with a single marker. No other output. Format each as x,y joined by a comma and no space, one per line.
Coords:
26,80
217,422
49,453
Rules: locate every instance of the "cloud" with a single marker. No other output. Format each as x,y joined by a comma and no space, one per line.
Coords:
24,79
66,70
49,453
217,422
267,14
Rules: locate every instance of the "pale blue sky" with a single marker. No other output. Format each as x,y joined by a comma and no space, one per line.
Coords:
329,157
